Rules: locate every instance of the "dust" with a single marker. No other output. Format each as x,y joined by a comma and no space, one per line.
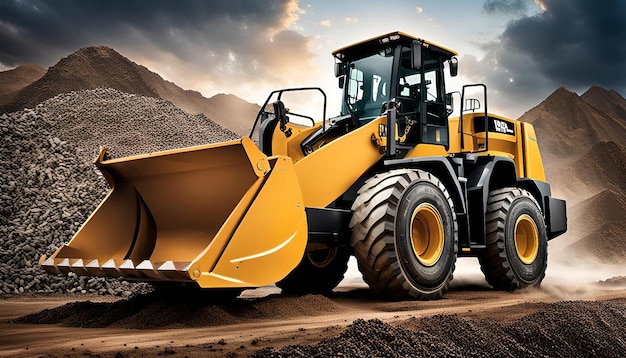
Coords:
566,278
578,279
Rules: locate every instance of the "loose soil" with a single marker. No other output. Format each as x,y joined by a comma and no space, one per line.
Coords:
472,320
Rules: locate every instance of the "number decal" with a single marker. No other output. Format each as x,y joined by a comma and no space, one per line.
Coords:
502,127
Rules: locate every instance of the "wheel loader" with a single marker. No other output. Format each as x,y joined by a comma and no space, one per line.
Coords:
394,180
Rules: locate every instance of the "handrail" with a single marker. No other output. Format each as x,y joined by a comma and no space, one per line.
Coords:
280,93
486,117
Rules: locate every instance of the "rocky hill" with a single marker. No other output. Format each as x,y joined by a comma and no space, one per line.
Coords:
49,185
102,67
583,144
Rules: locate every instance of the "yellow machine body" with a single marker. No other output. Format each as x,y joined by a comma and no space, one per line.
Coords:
239,214
521,146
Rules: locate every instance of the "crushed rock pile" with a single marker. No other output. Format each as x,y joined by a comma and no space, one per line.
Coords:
564,329
49,185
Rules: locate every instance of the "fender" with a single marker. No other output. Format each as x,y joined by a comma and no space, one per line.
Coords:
486,174
443,168
491,173
554,210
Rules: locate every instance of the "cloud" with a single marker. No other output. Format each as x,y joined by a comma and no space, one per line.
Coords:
419,9
351,20
215,44
324,23
505,6
572,43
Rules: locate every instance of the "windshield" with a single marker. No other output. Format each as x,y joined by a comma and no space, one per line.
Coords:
368,86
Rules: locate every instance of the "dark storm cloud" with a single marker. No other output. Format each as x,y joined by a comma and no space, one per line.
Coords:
505,6
224,40
575,44
29,30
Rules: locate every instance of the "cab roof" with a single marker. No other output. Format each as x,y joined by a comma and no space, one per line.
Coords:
368,46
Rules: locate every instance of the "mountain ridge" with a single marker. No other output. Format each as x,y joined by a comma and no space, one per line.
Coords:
12,81
103,67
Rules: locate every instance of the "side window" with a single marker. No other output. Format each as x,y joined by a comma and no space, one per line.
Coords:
432,87
355,86
379,88
409,86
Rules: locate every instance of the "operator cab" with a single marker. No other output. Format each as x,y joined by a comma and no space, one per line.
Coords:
401,73
395,75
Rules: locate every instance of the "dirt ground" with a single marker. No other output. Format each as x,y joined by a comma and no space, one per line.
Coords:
574,303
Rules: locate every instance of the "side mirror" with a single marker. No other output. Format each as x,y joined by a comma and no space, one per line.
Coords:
416,55
340,69
454,66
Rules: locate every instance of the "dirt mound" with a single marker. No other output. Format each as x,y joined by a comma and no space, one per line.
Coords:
607,101
86,69
49,185
618,281
564,329
12,81
607,207
102,67
567,125
180,309
232,112
229,111
595,189
128,124
606,244
583,141
602,167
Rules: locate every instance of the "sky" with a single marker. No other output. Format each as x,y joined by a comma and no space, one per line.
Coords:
522,50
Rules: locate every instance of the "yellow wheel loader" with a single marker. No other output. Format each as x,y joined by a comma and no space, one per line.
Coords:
393,181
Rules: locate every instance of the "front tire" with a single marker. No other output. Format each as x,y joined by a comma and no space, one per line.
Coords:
405,234
319,272
517,245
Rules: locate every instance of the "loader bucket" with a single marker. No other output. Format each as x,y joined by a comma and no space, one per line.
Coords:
222,215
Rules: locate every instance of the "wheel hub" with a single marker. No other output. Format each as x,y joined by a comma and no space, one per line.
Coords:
526,239
427,234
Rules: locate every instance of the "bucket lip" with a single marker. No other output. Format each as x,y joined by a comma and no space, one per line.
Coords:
144,270
115,169
103,157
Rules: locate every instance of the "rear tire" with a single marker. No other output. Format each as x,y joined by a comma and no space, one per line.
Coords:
404,234
319,272
517,246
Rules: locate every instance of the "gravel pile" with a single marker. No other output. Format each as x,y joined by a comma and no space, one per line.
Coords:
49,185
564,329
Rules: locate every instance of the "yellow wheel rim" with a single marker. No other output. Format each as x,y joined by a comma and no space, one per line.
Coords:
427,234
526,239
